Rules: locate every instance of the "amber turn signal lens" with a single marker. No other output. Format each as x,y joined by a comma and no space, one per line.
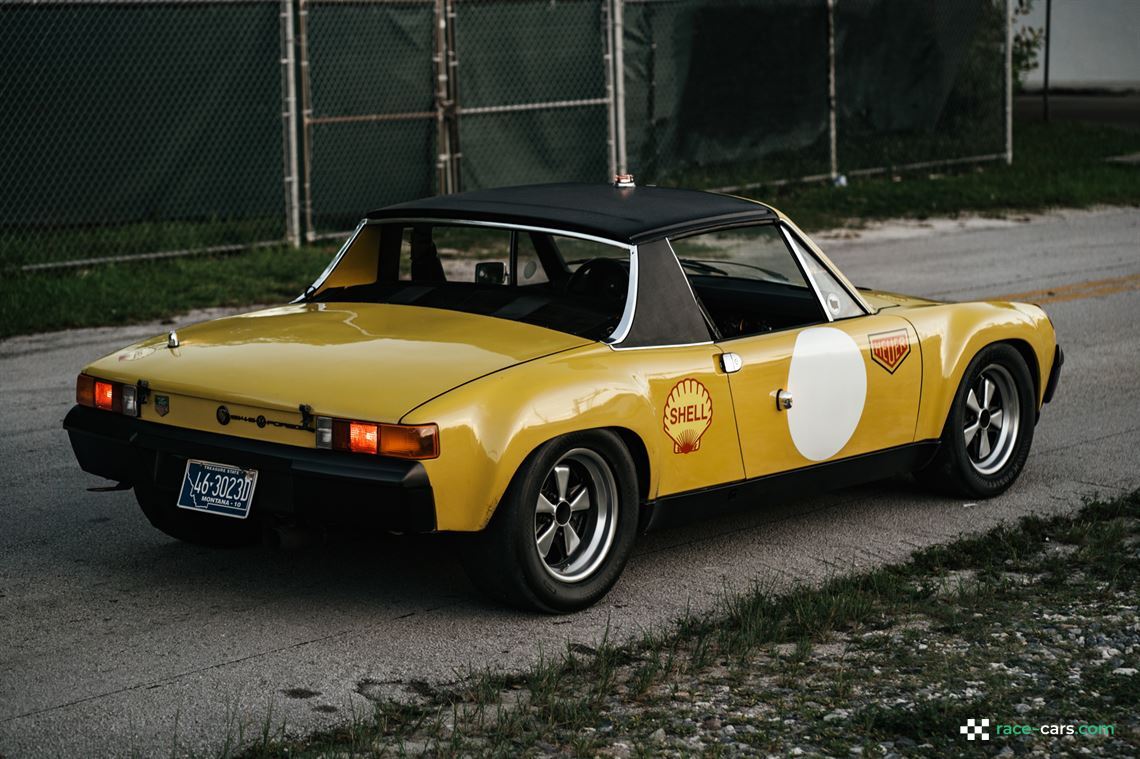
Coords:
404,441
362,437
419,441
85,390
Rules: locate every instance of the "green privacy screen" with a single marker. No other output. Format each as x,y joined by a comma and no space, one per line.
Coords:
165,119
373,123
114,113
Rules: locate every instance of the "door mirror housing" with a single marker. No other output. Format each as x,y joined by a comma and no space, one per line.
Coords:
490,273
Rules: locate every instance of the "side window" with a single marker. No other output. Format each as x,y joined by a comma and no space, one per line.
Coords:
436,254
748,280
576,252
358,262
529,265
836,299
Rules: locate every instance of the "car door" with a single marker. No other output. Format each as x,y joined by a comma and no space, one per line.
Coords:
824,392
822,379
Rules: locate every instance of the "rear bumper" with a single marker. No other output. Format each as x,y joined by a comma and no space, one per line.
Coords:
1054,375
293,484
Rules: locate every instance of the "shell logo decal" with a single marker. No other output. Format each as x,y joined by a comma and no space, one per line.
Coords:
688,415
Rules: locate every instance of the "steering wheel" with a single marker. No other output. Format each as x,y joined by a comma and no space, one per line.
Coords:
600,278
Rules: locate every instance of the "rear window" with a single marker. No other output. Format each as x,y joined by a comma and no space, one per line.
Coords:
555,281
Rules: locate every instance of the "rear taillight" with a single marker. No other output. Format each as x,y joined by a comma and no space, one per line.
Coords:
362,438
106,395
404,441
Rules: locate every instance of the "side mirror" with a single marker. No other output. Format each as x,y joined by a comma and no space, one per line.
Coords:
490,273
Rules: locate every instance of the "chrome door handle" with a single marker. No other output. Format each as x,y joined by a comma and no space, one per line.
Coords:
783,400
731,362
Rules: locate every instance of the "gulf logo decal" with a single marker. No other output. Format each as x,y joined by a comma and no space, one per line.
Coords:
890,349
688,415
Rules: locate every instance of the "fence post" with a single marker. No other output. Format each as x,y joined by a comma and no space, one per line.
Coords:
619,84
289,125
833,148
446,96
608,68
306,120
452,60
1009,81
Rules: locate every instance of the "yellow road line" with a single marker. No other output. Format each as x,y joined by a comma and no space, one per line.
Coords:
1095,288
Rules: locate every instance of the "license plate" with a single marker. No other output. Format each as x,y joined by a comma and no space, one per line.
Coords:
217,489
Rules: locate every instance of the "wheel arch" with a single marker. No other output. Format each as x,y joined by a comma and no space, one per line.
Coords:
952,335
1026,351
640,455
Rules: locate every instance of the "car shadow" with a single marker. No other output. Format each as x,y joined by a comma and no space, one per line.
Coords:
408,573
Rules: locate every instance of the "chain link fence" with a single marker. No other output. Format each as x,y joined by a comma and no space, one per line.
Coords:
147,127
135,127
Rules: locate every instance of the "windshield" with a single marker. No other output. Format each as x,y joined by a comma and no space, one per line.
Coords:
756,253
555,281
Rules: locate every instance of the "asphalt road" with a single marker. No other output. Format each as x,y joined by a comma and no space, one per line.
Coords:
115,639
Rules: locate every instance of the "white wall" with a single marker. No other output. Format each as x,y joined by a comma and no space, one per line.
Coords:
1096,43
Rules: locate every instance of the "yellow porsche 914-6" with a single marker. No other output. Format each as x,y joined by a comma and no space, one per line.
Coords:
553,369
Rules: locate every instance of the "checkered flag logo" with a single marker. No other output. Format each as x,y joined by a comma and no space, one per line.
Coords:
975,729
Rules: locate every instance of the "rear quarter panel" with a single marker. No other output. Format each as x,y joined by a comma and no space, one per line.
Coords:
488,427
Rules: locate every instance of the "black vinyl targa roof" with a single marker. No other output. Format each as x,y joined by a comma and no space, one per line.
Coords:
629,215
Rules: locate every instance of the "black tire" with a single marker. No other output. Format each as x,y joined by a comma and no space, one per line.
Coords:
200,529
505,560
959,468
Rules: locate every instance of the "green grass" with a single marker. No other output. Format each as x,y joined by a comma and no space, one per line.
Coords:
33,246
1055,166
139,291
889,661
1058,165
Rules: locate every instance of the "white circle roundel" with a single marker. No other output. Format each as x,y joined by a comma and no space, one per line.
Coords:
828,383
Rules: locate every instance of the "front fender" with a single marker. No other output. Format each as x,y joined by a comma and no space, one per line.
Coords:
951,335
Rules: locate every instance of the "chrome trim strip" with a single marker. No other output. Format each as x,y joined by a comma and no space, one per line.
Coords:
695,305
320,280
798,253
498,225
615,344
687,284
621,331
838,276
654,347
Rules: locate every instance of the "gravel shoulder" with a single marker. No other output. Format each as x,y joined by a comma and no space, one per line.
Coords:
1030,633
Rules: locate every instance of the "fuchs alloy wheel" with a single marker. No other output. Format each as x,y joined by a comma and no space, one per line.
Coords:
564,529
993,418
989,431
575,515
